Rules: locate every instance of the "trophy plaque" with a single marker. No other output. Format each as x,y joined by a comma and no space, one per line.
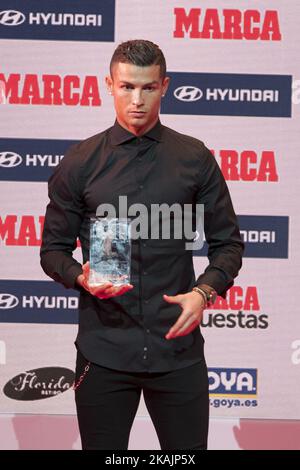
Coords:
110,251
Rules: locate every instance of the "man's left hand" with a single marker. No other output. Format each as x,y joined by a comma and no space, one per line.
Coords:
192,305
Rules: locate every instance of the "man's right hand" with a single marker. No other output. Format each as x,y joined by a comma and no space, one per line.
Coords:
103,291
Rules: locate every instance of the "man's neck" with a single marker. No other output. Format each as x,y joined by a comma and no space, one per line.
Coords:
138,131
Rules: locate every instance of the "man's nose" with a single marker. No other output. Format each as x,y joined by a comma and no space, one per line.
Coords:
137,98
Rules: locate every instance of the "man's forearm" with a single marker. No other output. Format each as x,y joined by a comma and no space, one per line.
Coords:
61,267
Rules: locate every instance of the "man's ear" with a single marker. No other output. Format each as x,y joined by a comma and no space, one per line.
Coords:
165,85
109,84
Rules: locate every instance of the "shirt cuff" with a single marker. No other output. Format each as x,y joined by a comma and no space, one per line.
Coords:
216,279
71,275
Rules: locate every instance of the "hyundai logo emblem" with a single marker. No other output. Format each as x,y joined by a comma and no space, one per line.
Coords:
11,18
10,159
8,301
188,93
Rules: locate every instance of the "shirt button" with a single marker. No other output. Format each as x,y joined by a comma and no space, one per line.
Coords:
145,273
148,331
146,301
144,357
145,348
144,245
141,186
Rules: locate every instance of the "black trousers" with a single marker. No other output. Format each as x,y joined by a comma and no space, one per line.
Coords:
107,401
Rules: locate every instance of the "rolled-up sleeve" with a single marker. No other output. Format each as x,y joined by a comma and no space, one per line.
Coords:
64,215
225,246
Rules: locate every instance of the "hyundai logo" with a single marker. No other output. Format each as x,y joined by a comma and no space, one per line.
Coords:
8,301
11,18
10,159
188,93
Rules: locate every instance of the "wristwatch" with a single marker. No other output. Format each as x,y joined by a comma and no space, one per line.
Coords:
207,291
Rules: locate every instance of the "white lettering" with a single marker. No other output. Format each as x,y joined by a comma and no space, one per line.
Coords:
242,94
228,383
255,236
65,19
49,302
244,380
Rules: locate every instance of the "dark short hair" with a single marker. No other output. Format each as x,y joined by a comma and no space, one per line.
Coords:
139,52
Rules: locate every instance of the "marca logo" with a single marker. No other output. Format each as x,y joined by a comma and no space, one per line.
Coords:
21,231
10,159
31,159
234,24
232,382
188,93
238,298
229,94
248,165
8,301
242,310
19,303
69,90
11,18
90,20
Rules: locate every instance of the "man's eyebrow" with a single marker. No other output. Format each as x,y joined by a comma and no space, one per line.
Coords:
154,82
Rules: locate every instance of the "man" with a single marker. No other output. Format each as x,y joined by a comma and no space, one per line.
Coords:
144,335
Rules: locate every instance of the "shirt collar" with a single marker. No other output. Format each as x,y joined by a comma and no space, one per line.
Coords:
120,135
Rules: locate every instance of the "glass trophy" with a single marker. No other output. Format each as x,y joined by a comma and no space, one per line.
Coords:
110,251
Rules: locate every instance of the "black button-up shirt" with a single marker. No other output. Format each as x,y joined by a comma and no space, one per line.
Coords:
163,166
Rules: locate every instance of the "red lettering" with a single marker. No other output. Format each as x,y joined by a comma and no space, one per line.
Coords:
186,21
251,299
211,25
248,157
27,233
238,298
229,164
52,89
7,229
90,93
271,29
248,166
232,24
251,16
238,24
11,86
31,92
70,97
267,170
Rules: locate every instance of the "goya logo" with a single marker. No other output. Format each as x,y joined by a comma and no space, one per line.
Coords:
232,382
37,302
11,18
90,20
38,384
30,159
229,94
